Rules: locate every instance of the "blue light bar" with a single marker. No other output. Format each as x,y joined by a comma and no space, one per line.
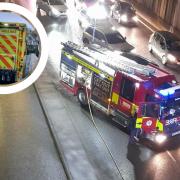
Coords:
166,92
171,91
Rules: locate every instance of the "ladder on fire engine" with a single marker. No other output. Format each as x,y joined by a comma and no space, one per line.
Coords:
111,59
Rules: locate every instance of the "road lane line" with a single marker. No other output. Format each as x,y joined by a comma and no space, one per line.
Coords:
146,26
171,156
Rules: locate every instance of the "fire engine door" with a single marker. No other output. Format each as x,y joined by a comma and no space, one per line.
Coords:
147,117
126,95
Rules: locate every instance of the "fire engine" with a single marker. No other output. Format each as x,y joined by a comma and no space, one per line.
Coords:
12,52
124,88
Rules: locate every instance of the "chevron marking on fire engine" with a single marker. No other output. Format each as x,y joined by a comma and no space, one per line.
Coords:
8,44
4,62
6,58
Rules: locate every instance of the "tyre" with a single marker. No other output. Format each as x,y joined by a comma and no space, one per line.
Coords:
82,98
86,41
164,60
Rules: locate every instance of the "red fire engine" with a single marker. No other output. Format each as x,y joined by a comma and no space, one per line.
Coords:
124,87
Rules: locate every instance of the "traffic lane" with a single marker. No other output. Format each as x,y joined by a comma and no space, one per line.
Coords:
132,160
138,36
66,33
26,147
143,158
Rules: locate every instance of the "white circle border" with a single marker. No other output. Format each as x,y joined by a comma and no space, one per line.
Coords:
16,87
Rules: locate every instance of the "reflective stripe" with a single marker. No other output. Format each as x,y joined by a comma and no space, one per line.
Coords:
159,125
115,98
139,122
133,109
89,66
6,62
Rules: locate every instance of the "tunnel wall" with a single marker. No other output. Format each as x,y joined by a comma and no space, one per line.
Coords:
167,10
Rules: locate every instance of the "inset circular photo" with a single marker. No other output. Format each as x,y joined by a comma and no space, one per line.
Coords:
23,48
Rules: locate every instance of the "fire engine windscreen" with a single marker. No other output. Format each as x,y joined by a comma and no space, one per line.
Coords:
151,110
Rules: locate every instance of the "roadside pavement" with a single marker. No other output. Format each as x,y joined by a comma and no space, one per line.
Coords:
66,139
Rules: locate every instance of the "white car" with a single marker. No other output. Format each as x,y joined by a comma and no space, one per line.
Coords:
53,8
107,37
166,46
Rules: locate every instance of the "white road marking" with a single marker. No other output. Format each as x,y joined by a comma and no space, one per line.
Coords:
170,155
146,26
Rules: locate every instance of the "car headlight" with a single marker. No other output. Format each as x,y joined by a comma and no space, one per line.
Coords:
171,57
160,138
124,18
55,12
135,18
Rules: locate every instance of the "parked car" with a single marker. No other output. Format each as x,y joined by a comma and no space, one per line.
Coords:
166,46
107,37
124,13
53,8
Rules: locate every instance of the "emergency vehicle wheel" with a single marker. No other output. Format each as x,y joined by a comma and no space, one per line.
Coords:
82,98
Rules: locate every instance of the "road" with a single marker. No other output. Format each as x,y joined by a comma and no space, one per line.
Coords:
133,162
26,146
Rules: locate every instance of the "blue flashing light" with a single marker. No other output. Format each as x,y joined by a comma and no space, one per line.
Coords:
171,92
167,92
163,92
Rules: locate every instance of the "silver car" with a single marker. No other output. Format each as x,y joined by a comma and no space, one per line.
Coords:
106,37
166,46
52,8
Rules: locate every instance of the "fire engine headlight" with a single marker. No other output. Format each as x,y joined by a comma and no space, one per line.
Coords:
124,18
160,138
171,58
135,18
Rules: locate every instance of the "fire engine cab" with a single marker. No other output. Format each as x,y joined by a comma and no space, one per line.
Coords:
124,88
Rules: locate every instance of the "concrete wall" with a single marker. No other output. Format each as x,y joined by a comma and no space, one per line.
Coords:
167,10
